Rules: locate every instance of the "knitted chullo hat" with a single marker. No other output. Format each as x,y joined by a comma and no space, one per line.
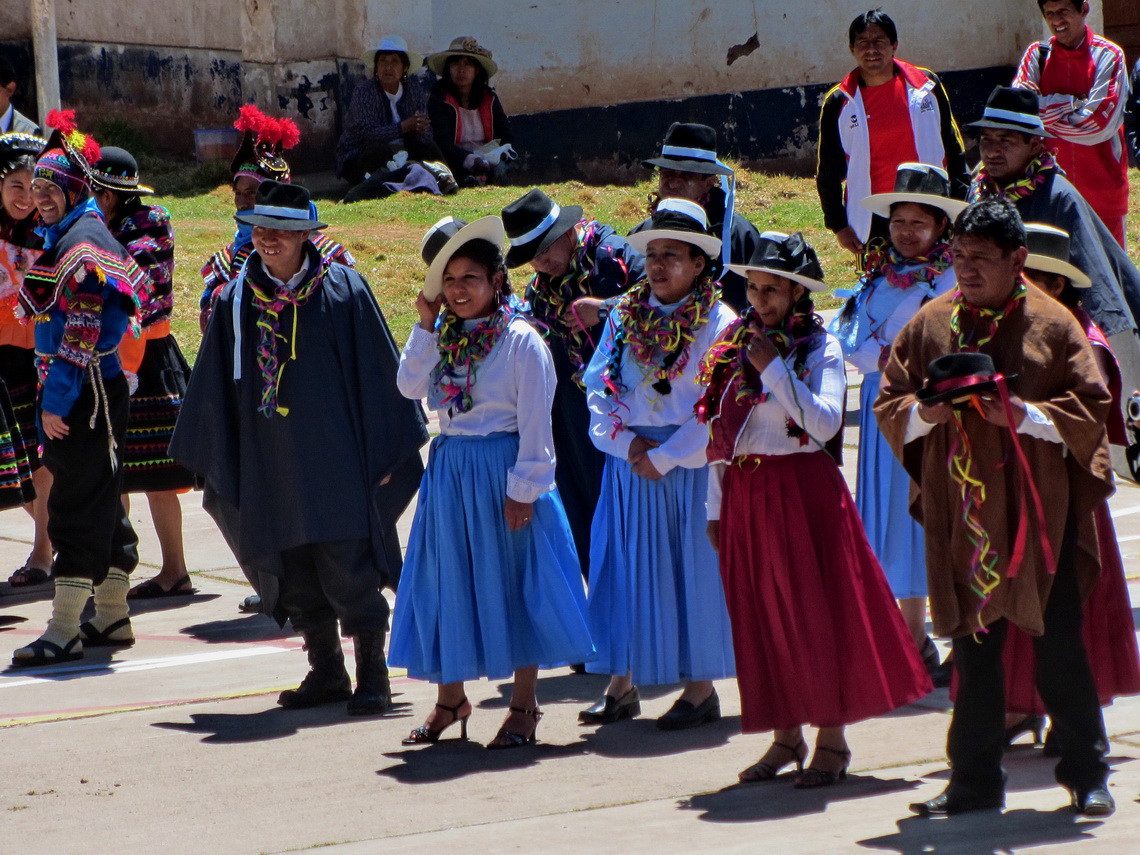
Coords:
259,155
67,158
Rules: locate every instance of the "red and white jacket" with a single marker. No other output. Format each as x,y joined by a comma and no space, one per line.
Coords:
1082,97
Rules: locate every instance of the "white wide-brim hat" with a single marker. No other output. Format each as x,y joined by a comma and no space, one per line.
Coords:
1049,253
920,183
677,219
392,44
444,239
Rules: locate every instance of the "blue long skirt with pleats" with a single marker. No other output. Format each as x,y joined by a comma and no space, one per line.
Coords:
476,600
882,496
657,606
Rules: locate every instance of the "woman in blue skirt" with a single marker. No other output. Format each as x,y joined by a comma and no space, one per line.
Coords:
901,276
657,610
491,585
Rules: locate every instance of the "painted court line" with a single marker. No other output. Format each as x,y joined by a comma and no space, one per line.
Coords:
130,666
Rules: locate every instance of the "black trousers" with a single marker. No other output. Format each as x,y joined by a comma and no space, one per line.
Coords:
88,527
333,580
1064,680
374,156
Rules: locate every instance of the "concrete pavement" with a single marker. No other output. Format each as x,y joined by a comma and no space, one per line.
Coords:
177,746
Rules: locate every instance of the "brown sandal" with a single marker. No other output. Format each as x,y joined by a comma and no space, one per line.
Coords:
765,771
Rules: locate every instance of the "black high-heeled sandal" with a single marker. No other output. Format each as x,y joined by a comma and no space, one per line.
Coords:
813,776
765,771
424,734
1034,724
508,739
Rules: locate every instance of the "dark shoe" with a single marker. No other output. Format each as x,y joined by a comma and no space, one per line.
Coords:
1034,724
251,605
816,776
327,680
423,733
510,739
1095,802
610,709
943,675
955,800
373,695
29,577
46,652
151,590
929,654
683,715
92,637
765,771
1052,743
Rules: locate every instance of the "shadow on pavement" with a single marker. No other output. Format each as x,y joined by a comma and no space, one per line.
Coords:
452,758
10,596
165,604
984,831
640,738
246,628
572,688
9,621
273,723
779,799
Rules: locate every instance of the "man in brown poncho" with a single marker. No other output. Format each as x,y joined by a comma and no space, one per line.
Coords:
1057,405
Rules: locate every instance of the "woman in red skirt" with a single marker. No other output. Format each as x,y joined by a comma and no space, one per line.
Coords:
818,637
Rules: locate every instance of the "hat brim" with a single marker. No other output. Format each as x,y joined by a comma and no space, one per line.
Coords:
806,281
707,244
1049,264
567,218
284,224
437,61
1008,126
137,190
880,203
489,229
703,167
415,60
960,396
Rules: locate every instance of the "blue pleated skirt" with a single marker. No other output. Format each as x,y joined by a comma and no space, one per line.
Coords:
882,496
657,606
476,600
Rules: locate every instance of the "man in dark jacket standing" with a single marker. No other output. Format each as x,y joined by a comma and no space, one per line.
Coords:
293,418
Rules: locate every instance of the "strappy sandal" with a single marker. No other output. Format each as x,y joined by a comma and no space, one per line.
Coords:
424,734
29,577
813,776
152,590
92,637
509,739
764,771
46,652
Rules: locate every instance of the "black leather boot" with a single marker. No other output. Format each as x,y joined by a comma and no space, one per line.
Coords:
327,680
373,695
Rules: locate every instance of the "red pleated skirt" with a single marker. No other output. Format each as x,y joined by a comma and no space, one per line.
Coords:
818,637
1107,629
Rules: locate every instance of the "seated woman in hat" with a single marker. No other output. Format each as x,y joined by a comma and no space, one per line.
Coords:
20,246
387,113
818,637
156,362
491,585
657,611
900,277
1107,626
465,112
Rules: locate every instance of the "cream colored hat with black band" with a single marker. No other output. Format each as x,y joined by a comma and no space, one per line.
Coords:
921,184
444,239
1049,253
678,219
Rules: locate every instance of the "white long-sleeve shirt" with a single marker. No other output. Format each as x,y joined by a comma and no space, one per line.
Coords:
814,403
513,392
644,406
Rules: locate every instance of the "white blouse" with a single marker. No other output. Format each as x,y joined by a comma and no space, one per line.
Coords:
814,403
513,392
866,358
643,406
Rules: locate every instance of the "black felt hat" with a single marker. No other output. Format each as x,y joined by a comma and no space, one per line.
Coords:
784,255
281,206
920,183
954,377
689,148
118,170
533,223
678,219
1011,109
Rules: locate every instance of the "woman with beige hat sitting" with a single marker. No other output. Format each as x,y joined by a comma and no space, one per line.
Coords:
466,114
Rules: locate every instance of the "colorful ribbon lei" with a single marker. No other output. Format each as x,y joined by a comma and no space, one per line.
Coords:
884,260
460,352
1035,174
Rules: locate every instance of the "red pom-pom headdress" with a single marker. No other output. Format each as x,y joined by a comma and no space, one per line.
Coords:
263,140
